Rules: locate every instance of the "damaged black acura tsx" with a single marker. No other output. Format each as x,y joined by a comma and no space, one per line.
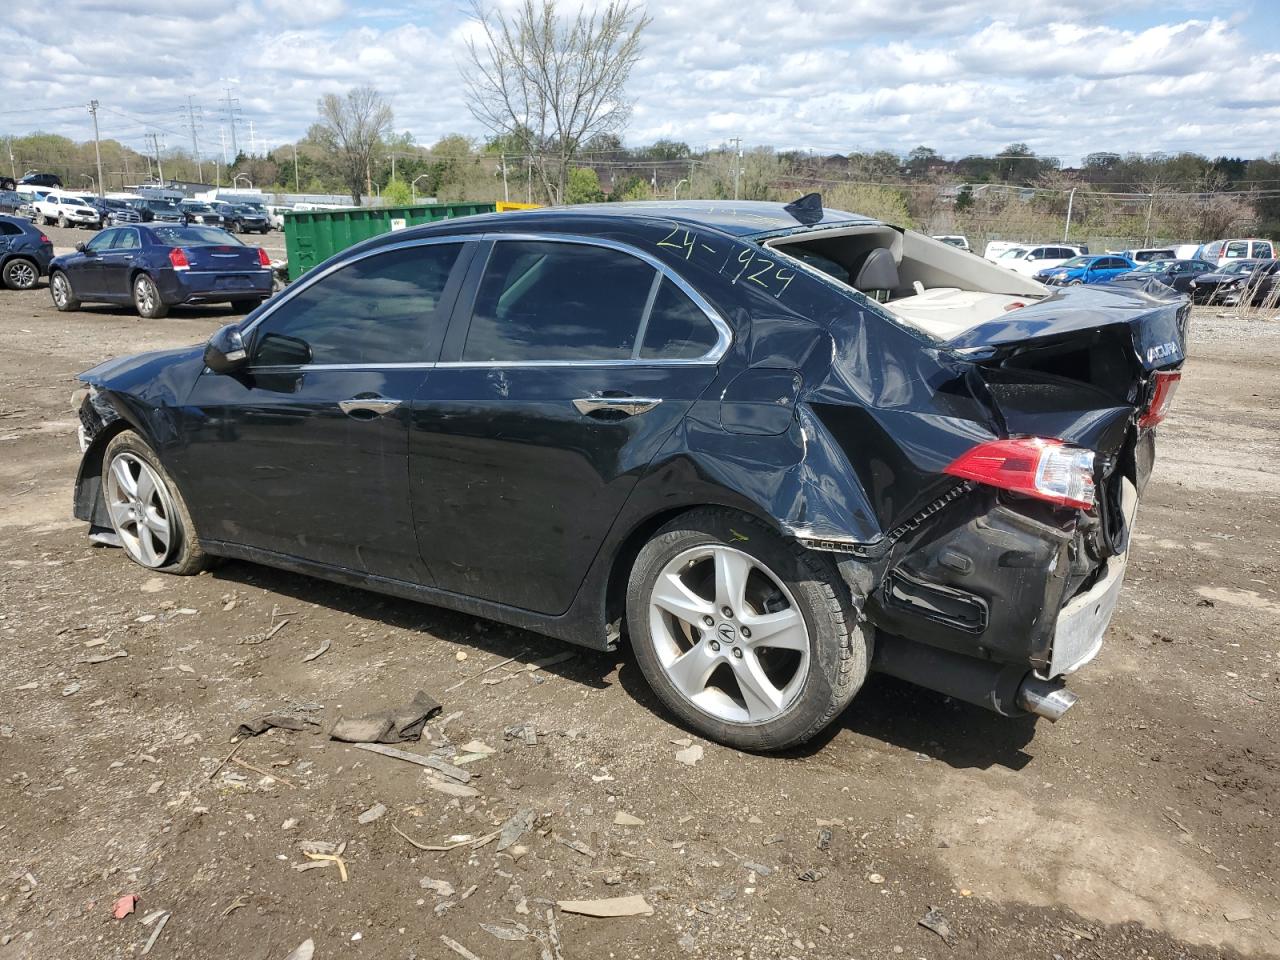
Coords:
773,448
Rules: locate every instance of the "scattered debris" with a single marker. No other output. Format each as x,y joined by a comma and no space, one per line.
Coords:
70,688
441,888
1238,914
323,852
518,932
423,760
682,742
227,759
577,846
235,905
516,826
939,924
303,951
389,726
103,658
124,906
621,819
550,661
263,773
476,746
318,652
824,839
633,906
1077,932
454,842
251,728
525,732
458,948
874,878
460,655
450,789
690,755
155,934
481,673
155,787
812,875
758,868
264,637
376,812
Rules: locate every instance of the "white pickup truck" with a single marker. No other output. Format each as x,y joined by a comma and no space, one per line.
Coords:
65,210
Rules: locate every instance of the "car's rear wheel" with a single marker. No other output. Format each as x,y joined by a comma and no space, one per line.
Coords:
146,297
64,297
147,512
21,274
748,638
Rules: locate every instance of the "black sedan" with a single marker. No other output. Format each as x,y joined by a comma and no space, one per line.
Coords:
1225,284
745,438
11,202
242,218
157,266
25,253
1178,274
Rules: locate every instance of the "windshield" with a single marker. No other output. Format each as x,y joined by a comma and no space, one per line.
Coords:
1014,253
1076,262
1240,266
1154,266
198,207
161,205
194,236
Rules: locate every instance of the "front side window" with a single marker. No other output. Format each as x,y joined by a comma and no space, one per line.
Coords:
1236,249
380,309
542,300
102,241
125,240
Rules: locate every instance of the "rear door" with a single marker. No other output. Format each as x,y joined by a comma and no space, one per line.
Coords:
568,365
118,262
305,453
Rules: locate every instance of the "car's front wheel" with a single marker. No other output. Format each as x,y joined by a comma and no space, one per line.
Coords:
147,512
64,298
146,297
21,274
747,637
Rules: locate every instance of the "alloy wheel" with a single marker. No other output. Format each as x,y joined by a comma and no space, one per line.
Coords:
729,634
140,509
144,295
59,289
22,275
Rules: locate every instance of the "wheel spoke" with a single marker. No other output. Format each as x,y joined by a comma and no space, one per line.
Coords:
763,700
146,486
732,569
691,670
146,549
159,526
120,469
783,630
672,595
119,513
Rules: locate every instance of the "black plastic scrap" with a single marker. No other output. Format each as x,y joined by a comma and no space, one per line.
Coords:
939,924
388,726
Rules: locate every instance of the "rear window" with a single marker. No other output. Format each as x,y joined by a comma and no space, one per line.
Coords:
194,236
1262,250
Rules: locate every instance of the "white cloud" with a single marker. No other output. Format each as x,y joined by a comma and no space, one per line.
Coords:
959,75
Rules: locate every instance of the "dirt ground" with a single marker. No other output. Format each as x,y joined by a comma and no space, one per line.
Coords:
1143,825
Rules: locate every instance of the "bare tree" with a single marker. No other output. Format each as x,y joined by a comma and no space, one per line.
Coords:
350,128
550,82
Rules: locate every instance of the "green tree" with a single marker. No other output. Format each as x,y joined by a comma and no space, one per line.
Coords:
583,186
397,194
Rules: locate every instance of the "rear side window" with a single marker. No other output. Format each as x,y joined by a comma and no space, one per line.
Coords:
558,301
1236,249
381,309
1261,250
9,229
677,327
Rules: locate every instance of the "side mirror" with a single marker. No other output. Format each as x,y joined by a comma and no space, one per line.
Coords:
225,352
80,247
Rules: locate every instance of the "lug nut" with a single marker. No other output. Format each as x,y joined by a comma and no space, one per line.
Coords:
746,633
715,646
709,621
727,612
737,653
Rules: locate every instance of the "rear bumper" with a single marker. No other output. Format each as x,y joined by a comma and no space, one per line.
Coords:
200,286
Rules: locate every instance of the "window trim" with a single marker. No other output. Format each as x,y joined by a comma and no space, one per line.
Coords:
464,303
724,334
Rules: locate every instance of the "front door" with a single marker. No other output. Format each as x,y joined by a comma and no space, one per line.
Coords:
305,452
567,367
118,262
85,271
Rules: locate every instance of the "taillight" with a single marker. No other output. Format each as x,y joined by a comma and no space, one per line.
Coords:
1162,398
178,257
44,239
1036,466
263,258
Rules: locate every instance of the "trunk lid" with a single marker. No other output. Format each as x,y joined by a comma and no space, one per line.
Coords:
227,256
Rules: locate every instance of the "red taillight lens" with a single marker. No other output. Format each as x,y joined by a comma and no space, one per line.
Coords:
263,258
1038,467
178,257
44,239
1162,399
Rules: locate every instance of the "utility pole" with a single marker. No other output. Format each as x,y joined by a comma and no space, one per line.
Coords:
297,181
13,169
155,145
1070,200
232,109
222,136
506,192
195,143
97,149
737,166
253,141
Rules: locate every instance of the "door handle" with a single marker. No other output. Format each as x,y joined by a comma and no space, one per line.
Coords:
623,406
369,406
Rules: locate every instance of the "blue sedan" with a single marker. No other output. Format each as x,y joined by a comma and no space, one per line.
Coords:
1096,268
158,266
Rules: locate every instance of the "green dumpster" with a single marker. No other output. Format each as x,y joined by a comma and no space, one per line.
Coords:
313,236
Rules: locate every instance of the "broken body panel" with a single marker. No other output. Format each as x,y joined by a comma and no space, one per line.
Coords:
834,415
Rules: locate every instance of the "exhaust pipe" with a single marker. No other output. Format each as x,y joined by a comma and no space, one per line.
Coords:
1008,689
1045,699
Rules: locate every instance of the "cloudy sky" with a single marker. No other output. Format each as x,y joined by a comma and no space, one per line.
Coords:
1065,76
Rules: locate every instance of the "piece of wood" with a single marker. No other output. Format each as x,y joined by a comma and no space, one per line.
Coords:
458,948
633,906
155,934
422,760
481,673
473,842
265,773
227,758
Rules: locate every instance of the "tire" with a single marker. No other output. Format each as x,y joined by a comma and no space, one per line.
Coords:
244,306
1076,283
64,297
21,274
146,298
821,655
155,497
62,221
